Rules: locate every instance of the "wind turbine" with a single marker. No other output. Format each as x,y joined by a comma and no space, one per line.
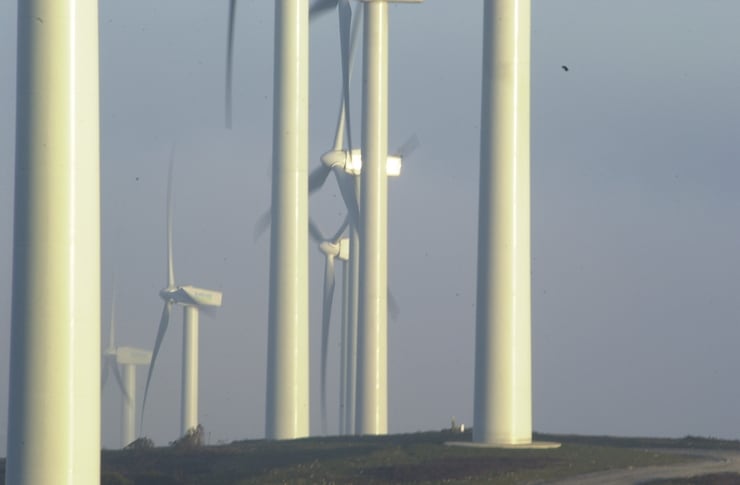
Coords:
350,161
192,299
129,358
332,247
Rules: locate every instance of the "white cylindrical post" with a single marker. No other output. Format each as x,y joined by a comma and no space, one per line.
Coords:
54,399
372,342
503,396
189,389
128,418
353,304
344,348
287,403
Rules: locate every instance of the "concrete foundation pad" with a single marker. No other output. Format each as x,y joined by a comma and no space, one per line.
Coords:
534,445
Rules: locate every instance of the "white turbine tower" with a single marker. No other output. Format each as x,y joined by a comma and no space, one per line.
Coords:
129,358
192,299
54,386
372,326
503,375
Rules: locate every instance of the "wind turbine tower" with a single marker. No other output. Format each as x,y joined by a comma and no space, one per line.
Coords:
372,332
129,358
503,375
287,397
54,399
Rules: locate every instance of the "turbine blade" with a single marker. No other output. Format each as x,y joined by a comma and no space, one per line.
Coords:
229,61
321,6
315,232
112,333
119,380
341,229
408,147
317,177
170,268
326,319
262,224
347,189
163,322
104,378
339,133
393,309
345,26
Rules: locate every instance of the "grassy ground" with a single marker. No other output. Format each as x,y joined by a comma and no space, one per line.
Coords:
411,458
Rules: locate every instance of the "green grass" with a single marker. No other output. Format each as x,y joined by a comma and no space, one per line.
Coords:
409,458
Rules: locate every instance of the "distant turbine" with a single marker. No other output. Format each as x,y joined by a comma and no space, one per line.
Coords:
192,299
128,357
332,247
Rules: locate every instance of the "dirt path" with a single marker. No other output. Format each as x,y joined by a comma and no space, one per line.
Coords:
711,461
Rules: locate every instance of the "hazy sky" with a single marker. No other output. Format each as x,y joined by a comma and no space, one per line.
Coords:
635,163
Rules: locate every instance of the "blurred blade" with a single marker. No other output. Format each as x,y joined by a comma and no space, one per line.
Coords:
393,309
119,379
347,189
112,333
106,364
408,146
229,61
319,7
163,322
345,27
339,133
341,229
317,177
262,224
170,268
315,232
326,318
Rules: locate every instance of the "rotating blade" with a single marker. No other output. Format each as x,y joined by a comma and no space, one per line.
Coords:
408,147
229,61
393,309
339,133
315,232
112,333
347,189
119,380
317,177
341,229
321,6
170,268
163,322
104,377
262,224
345,27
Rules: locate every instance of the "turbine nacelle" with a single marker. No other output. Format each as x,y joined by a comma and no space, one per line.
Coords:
337,249
131,355
351,162
191,295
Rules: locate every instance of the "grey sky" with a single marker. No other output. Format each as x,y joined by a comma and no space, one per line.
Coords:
635,234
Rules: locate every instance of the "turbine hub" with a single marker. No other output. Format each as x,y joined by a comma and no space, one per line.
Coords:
329,248
334,158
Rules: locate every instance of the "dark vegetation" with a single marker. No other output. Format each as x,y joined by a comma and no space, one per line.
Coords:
712,479
410,458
